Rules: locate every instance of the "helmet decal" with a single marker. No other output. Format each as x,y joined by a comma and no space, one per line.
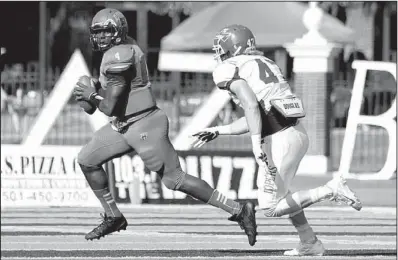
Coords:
105,23
224,35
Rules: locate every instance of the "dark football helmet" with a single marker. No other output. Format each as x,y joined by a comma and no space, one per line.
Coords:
108,28
233,40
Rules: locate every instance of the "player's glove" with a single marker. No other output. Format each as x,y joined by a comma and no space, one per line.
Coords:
96,83
83,90
205,136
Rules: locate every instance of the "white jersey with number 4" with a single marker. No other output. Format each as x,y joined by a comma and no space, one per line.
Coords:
261,74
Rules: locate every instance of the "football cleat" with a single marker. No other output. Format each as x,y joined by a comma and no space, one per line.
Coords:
107,226
313,249
343,194
246,219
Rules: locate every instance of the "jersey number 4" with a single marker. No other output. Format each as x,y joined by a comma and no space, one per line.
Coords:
266,75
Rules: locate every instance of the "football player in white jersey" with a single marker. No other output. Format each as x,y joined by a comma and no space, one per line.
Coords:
279,140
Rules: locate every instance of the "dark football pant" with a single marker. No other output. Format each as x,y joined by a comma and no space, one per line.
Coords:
148,137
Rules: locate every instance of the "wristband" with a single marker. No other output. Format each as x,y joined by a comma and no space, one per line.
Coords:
223,130
95,96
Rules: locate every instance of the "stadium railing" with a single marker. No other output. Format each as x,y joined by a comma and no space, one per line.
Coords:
22,98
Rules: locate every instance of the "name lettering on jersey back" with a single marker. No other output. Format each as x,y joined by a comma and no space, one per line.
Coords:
291,105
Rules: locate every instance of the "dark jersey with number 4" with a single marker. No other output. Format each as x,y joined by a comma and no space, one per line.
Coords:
125,66
124,77
265,78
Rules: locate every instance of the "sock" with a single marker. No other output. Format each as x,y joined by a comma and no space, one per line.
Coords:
107,202
201,190
299,200
319,194
306,198
98,181
219,200
305,232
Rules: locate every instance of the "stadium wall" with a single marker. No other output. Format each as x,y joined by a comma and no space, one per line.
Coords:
33,174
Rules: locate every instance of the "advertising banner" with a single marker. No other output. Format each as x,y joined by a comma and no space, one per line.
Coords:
43,176
232,173
50,176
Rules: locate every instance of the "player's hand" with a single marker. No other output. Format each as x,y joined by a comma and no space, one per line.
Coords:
96,83
205,136
83,90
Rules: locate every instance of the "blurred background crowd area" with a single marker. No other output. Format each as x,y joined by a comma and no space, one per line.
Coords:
66,24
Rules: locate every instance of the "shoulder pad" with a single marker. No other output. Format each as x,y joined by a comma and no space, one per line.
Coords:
117,67
246,68
224,74
118,58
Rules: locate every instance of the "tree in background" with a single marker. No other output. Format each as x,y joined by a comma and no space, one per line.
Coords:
174,9
379,11
339,9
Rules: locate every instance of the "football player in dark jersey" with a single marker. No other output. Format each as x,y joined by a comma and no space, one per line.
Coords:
125,94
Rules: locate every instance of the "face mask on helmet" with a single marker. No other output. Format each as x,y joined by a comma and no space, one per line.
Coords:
103,37
220,54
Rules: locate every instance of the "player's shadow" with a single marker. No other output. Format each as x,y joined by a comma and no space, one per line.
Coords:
182,253
362,252
273,252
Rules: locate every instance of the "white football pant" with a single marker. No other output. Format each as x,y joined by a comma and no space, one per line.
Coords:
284,150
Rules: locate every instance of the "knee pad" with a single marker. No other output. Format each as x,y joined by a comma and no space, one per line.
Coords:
82,159
173,181
89,169
95,176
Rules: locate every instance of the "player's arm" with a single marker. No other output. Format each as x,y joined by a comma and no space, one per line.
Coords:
249,104
252,113
250,122
237,127
119,77
229,77
226,76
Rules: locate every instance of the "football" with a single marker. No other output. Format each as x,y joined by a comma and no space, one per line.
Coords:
87,106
